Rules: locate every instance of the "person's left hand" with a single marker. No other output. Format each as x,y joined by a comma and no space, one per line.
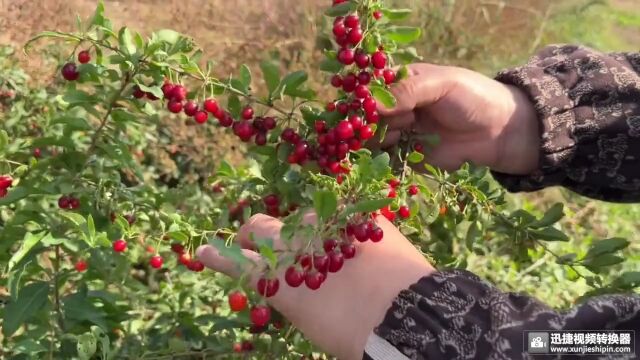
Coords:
340,315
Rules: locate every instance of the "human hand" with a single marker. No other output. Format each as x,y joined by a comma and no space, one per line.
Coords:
476,118
340,315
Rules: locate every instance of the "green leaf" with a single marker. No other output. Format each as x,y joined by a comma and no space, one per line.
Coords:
105,343
29,241
245,77
629,279
86,346
380,165
29,347
367,206
4,139
403,34
271,74
383,96
473,234
293,81
169,36
603,260
15,194
30,300
267,252
331,66
234,106
396,14
415,157
325,203
155,90
549,234
551,217
233,252
47,34
91,227
341,9
225,169
178,236
607,246
126,41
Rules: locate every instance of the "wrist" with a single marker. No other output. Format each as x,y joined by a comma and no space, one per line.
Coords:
519,141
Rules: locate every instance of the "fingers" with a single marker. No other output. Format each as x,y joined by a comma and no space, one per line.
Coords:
260,227
425,85
211,258
400,121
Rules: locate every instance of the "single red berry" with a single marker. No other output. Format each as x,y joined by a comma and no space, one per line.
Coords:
84,57
336,261
269,123
346,56
63,202
373,118
175,106
301,149
339,30
119,245
331,107
320,126
177,248
131,218
260,315
196,266
261,139
413,190
369,105
362,60
237,347
81,266
389,76
366,133
74,203
394,183
334,167
179,93
271,200
167,90
138,93
375,233
360,232
37,153
392,193
190,108
321,262
156,262
292,159
247,113
247,346
237,301
314,280
377,14
287,134
355,36
211,105
293,277
343,108
386,212
185,258
349,82
355,144
329,245
350,229
379,60
336,81
343,41
5,181
201,117
418,147
268,287
404,212
362,92
304,261
226,120
348,250
352,21
70,72
364,78
344,130
339,179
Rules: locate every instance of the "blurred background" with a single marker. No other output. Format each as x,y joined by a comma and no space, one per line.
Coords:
485,35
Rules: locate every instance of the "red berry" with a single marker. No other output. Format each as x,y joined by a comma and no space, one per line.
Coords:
247,346
63,202
321,262
389,76
130,218
355,36
336,261
339,179
352,21
379,60
334,167
247,113
74,203
375,234
362,92
167,90
156,262
177,248
373,118
344,130
339,30
293,277
329,245
348,250
362,60
361,232
355,144
201,117
287,134
392,193
211,105
5,181
336,81
404,212
369,105
346,56
237,347
386,212
377,14
343,108
413,190
175,106
271,200
320,126
138,93
244,130
268,287
418,147
260,315
394,183
185,259
314,280
3,192
70,72
261,139
37,153
81,266
119,245
305,261
349,82
196,266
151,96
364,78
269,123
190,108
366,133
179,93
331,107
84,57
237,301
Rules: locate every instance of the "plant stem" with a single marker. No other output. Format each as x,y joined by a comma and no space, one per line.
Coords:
56,290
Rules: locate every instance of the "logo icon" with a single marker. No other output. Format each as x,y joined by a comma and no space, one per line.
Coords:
538,343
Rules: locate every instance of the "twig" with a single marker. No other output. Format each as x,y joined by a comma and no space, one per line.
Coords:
56,291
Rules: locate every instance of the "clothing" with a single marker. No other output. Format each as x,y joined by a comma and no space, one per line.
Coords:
588,104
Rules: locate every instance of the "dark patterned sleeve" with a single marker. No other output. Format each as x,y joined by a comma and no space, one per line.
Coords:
588,104
456,315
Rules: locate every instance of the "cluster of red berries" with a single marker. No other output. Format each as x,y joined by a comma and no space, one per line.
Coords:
404,212
260,315
70,71
5,183
68,202
185,258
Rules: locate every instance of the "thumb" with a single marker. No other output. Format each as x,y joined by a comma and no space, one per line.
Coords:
426,84
211,258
